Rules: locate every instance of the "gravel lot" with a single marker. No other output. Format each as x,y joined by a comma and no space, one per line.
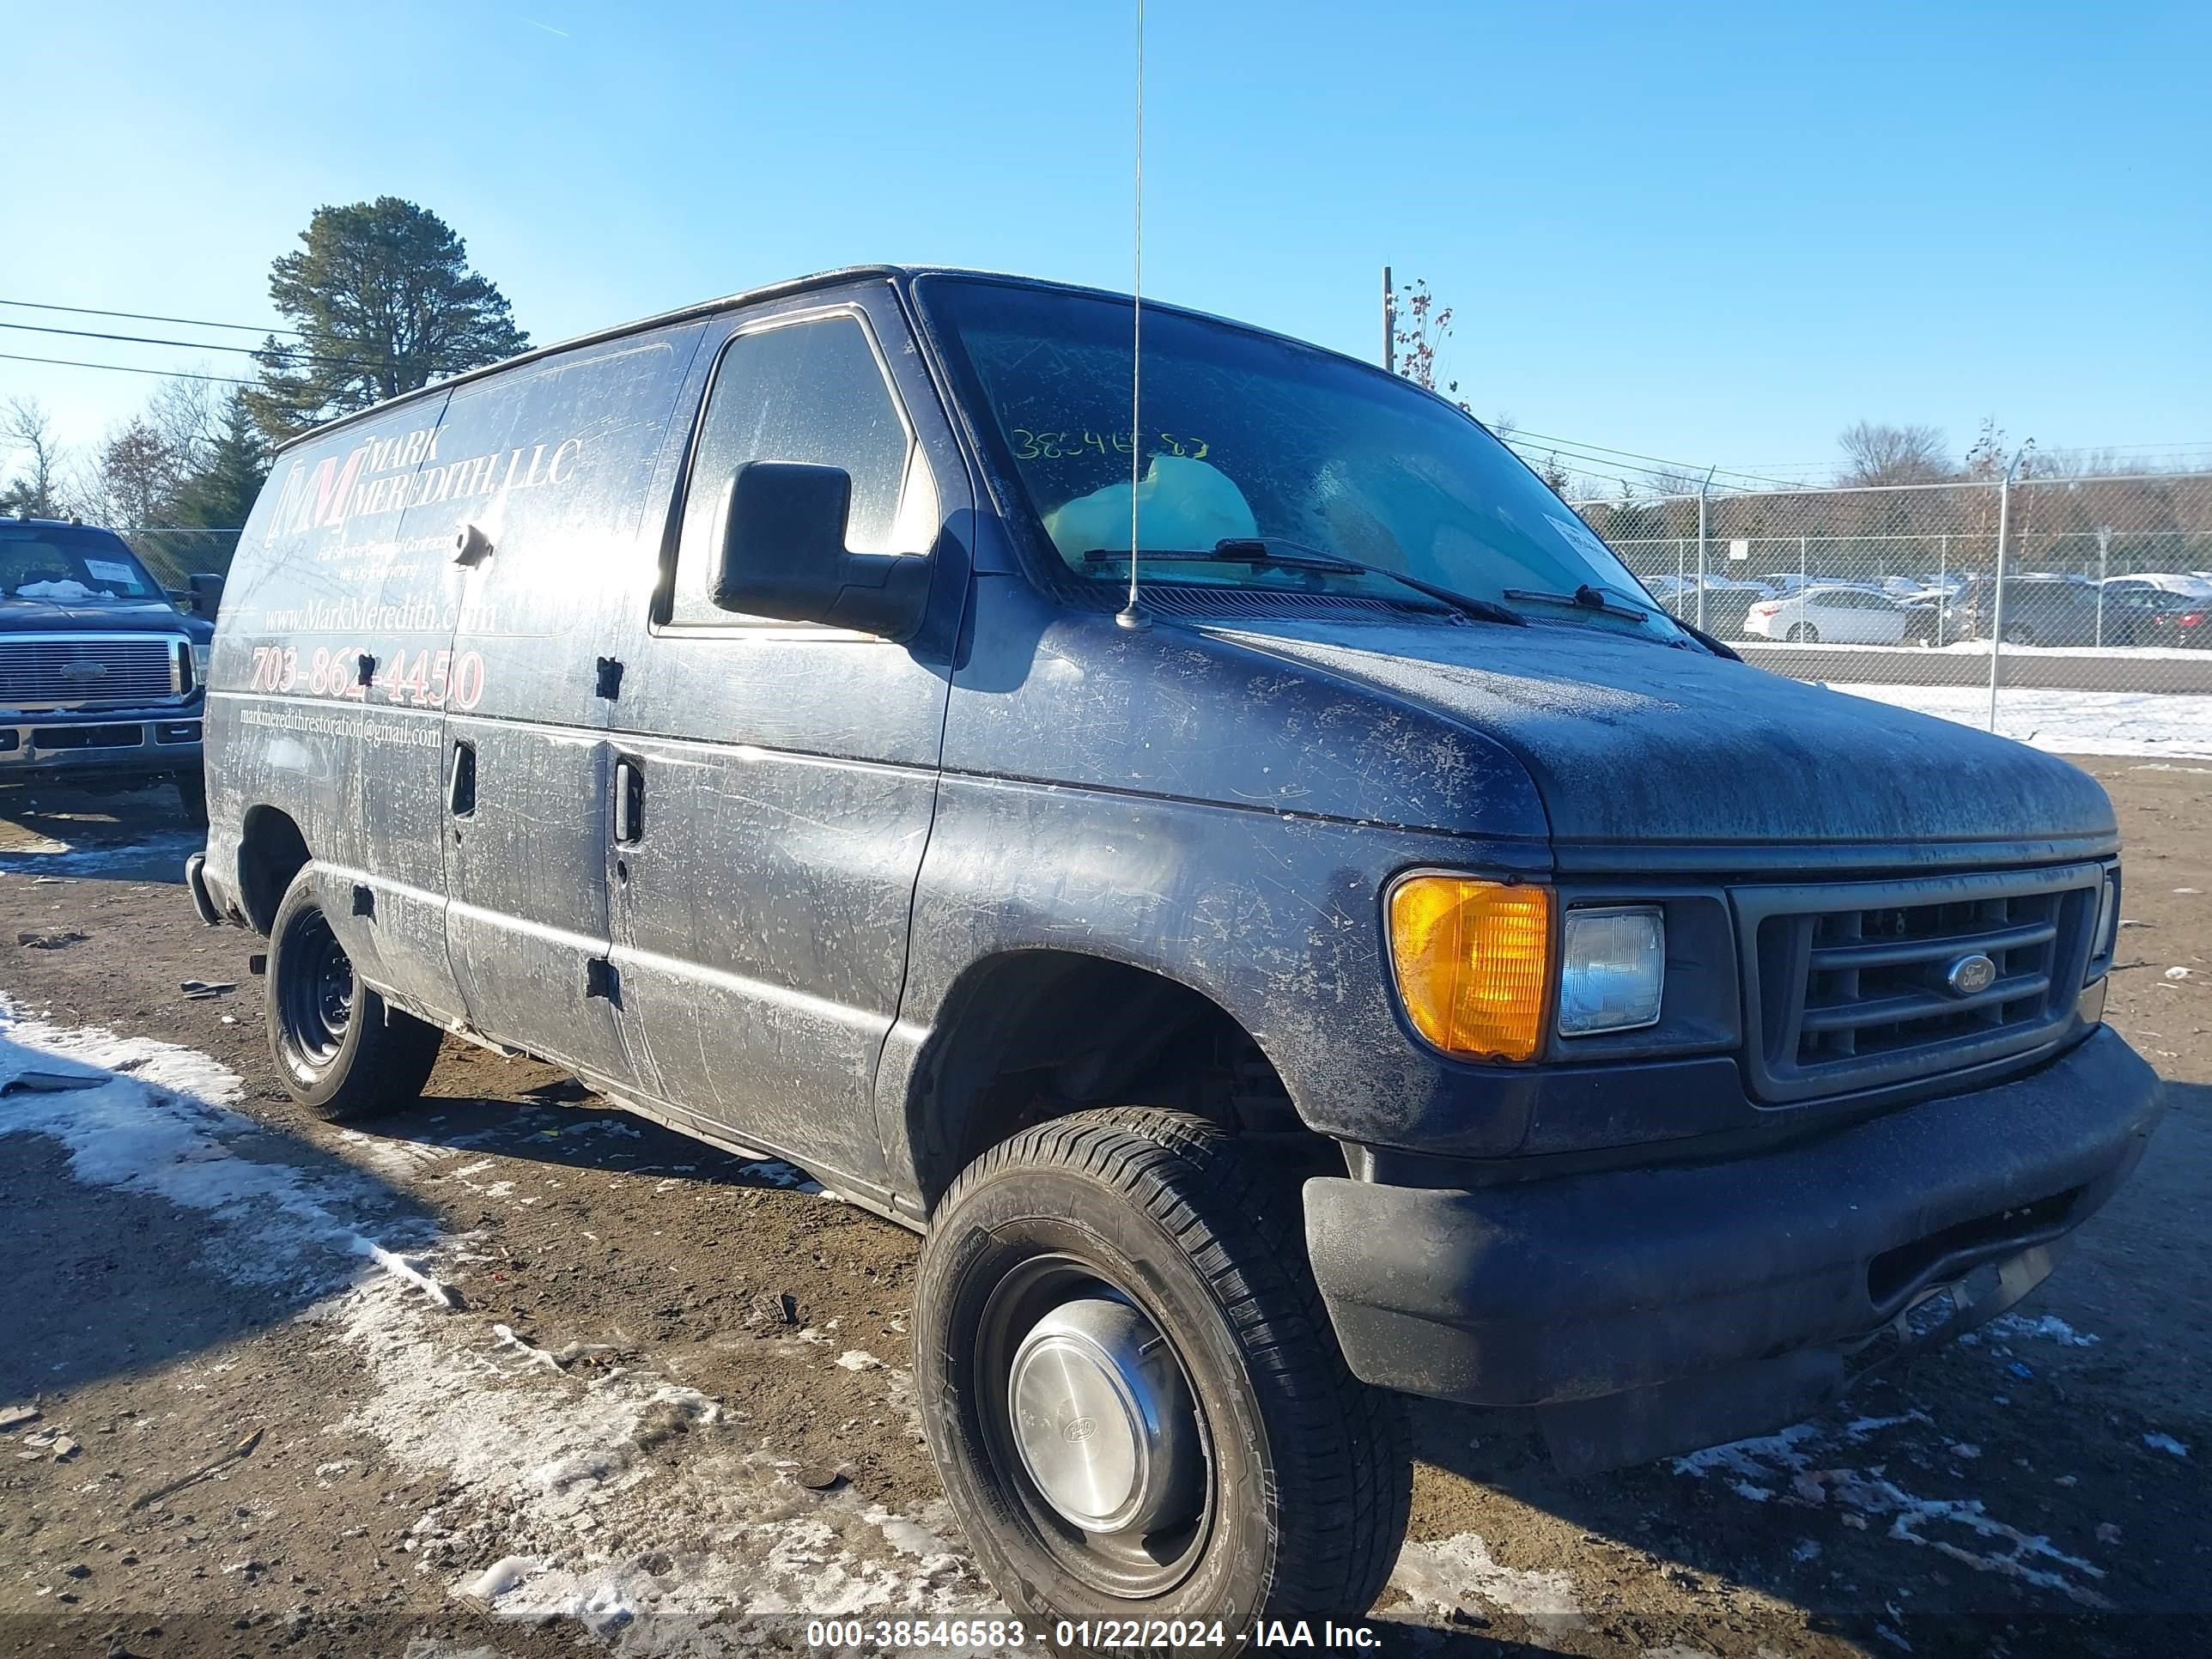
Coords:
515,1373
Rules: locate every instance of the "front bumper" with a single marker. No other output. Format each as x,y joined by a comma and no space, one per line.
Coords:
1657,1309
140,742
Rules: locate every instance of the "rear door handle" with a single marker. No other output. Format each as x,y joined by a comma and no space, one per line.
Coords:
461,784
629,802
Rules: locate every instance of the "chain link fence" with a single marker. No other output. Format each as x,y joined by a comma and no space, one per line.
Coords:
2058,609
2075,613
174,555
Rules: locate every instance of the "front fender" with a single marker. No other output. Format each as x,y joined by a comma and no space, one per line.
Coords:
1276,919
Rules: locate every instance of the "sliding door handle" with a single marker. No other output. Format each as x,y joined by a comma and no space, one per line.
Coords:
629,802
461,782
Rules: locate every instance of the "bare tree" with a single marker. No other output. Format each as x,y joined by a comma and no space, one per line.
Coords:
1428,325
26,430
1877,453
1676,481
1988,460
188,417
138,476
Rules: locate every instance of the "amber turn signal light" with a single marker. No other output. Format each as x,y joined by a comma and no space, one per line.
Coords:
1474,962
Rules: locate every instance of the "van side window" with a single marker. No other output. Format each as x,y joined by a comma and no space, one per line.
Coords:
802,391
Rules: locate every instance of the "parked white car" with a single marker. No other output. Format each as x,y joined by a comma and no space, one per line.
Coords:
1845,615
2153,582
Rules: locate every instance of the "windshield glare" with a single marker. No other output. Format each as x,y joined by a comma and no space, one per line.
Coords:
1247,436
62,564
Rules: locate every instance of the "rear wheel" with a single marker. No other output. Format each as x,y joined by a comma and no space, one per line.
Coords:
1132,1392
343,1053
1804,633
2019,633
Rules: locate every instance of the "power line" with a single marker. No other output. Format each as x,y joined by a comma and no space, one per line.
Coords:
147,317
126,368
1601,463
1678,466
291,354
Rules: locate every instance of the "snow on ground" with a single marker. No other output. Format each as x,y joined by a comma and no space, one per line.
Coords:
622,1501
1802,1466
1457,1575
1981,648
644,1511
49,857
2066,722
157,1122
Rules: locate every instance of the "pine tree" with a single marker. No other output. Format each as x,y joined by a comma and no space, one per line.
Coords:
221,493
383,301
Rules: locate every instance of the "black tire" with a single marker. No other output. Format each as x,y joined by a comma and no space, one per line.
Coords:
191,795
2019,633
1804,633
342,1052
1302,1496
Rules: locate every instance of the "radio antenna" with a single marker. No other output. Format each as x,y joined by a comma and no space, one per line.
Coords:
1133,614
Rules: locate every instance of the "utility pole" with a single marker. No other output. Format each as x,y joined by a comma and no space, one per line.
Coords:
1998,599
1704,490
2104,560
1389,325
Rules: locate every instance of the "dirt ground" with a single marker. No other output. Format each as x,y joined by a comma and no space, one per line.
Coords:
514,1373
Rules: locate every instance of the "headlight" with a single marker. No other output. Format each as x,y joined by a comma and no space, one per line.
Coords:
202,650
1473,960
1612,967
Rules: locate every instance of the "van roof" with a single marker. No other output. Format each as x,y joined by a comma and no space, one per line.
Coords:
753,296
681,313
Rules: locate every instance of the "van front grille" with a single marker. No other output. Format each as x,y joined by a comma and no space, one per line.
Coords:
1861,985
70,671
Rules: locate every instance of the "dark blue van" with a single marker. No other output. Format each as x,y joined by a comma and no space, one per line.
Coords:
1369,948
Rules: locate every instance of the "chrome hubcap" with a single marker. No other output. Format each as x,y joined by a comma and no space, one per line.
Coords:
1103,1420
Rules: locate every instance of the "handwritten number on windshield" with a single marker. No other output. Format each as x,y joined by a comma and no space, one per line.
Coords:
1033,445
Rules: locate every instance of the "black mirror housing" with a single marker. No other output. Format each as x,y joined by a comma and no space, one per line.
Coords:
207,593
783,555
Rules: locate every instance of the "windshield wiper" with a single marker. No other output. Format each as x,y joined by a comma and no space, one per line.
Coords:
1588,596
1280,553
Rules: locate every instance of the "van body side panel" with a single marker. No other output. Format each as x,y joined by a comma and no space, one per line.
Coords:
341,580
789,778
573,443
1092,804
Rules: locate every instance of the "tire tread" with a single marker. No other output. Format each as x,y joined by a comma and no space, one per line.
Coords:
1340,1446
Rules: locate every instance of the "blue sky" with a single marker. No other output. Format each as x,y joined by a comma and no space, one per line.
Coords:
1716,235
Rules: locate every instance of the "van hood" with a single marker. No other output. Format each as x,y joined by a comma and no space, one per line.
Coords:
1632,744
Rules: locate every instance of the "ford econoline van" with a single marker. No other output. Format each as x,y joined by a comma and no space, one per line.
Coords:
1368,949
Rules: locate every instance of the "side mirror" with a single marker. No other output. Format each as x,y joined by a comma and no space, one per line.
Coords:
207,593
784,555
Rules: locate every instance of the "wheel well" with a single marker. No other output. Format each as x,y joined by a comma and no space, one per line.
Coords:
269,853
1036,1035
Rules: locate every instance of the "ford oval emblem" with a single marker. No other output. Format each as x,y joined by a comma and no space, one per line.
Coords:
1970,976
1080,1429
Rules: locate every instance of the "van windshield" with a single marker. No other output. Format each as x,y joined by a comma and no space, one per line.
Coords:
69,563
1249,437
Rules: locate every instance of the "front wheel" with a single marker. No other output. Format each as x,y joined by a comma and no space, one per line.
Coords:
191,795
1132,1392
343,1053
